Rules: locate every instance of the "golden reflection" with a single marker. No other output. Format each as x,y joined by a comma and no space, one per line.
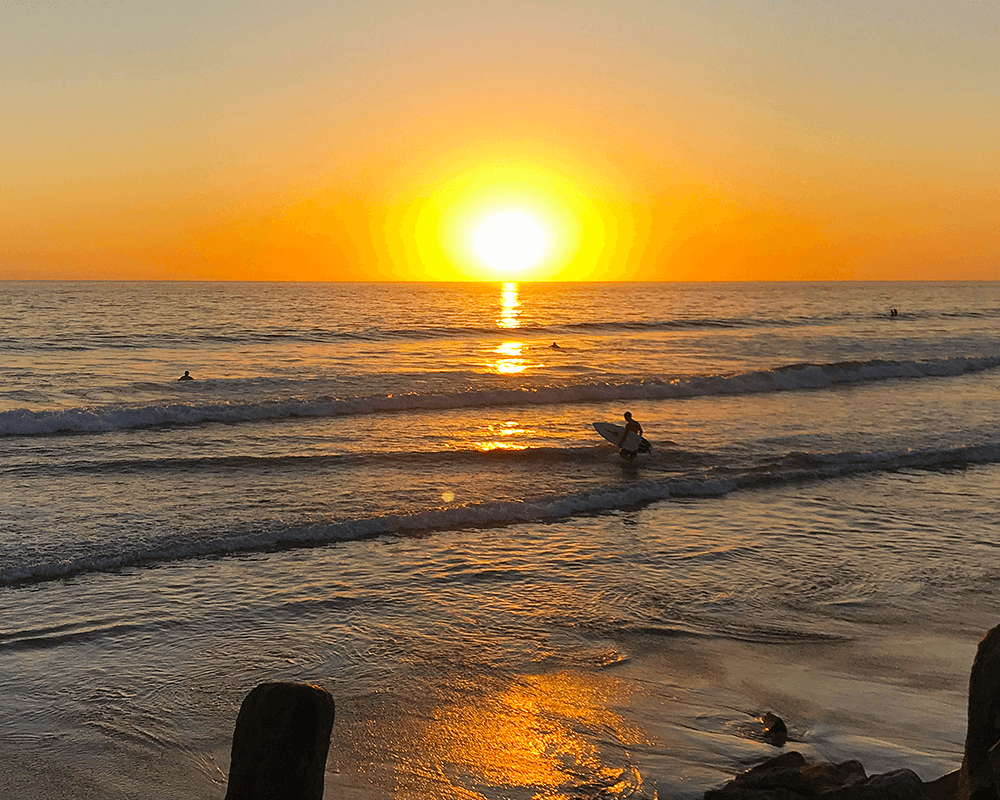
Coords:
509,306
511,362
497,433
538,733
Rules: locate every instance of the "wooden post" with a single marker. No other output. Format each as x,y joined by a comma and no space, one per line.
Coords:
280,743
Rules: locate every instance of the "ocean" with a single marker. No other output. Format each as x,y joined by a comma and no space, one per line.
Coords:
395,491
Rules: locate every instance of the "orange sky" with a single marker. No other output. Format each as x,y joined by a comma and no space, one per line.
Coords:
710,140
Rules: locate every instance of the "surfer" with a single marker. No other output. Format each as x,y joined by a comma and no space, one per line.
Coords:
631,426
186,376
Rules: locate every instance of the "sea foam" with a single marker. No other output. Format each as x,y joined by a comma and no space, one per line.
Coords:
802,467
788,378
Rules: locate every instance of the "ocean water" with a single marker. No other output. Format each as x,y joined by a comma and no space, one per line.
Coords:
394,491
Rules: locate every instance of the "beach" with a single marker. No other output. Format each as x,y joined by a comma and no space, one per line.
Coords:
395,492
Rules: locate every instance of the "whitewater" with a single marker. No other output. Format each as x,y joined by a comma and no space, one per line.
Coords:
394,491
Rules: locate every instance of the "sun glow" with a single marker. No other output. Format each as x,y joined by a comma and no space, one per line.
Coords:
510,242
504,221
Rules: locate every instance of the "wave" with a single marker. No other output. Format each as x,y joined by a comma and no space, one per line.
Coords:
414,460
793,467
792,377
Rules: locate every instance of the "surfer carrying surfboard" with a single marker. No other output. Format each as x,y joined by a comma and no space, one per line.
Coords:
631,426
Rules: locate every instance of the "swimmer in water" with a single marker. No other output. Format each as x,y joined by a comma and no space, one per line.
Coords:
186,376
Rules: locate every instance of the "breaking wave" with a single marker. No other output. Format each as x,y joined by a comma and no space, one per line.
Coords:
801,467
792,377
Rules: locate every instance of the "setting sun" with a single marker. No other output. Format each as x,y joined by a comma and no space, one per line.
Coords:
525,220
510,242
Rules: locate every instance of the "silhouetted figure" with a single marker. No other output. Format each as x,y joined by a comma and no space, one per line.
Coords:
893,312
186,376
631,426
554,346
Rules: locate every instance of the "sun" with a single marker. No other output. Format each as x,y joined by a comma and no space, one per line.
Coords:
510,242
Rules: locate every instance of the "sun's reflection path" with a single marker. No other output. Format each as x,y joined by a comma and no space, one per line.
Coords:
511,361
501,436
509,306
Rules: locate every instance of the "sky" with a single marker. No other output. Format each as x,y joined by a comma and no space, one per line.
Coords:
648,140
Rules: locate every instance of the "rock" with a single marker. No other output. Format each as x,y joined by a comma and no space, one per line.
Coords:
781,773
280,743
978,776
790,777
903,784
944,788
775,731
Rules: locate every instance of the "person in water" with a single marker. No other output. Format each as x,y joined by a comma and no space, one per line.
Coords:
186,376
631,426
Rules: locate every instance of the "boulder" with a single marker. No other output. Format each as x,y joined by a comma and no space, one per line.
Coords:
280,743
978,778
775,731
790,777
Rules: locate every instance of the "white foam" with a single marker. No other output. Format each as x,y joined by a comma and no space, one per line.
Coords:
98,419
795,466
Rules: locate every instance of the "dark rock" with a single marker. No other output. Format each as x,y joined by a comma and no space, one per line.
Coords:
903,784
778,773
775,731
978,776
280,744
944,788
825,776
790,777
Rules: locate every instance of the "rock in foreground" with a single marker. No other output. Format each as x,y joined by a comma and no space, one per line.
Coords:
280,744
790,777
981,764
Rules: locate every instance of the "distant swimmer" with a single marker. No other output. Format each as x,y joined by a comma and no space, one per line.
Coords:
893,312
186,376
555,346
631,426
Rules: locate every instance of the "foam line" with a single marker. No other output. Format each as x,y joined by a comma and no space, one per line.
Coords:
792,377
793,467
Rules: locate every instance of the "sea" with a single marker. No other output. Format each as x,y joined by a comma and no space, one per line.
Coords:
395,491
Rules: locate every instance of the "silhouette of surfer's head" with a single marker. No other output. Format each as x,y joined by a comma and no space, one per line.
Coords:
628,415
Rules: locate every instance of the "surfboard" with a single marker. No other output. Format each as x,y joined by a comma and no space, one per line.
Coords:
613,433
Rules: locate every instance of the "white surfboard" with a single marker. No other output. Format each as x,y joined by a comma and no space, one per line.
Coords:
613,433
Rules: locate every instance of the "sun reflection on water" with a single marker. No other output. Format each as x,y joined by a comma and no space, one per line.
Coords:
509,306
511,361
499,437
536,733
